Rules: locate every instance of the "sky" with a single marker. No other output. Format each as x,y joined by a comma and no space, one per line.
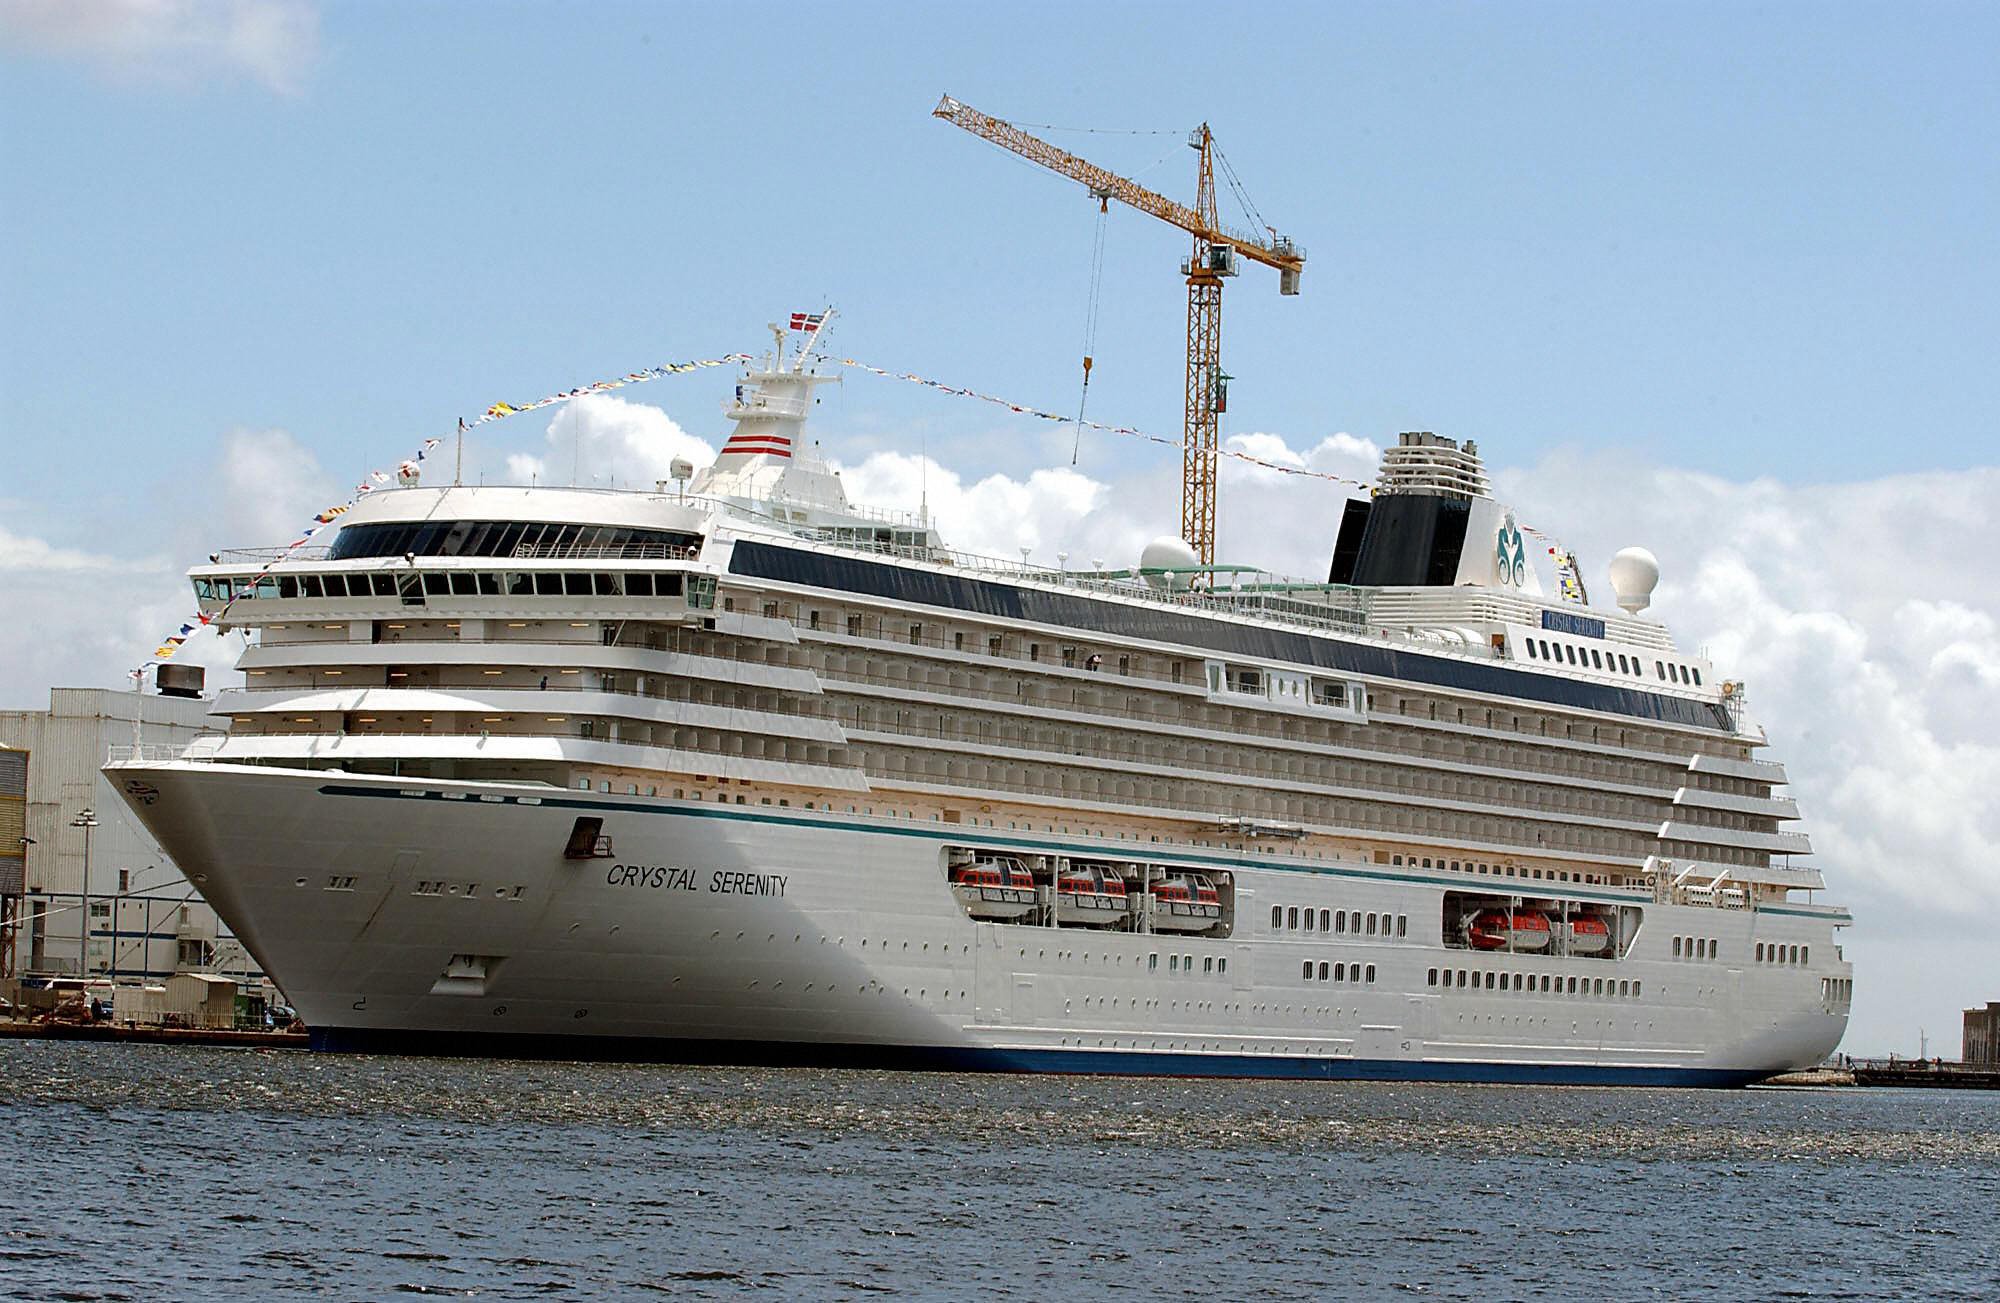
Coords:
1721,280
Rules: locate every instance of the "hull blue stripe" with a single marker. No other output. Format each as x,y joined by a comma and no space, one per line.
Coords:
940,1058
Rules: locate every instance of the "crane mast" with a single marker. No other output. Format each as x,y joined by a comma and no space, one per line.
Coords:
1215,257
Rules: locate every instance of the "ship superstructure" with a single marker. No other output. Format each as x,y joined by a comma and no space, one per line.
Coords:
739,769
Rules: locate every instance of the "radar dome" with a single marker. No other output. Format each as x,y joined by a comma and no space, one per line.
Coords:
1634,573
1168,562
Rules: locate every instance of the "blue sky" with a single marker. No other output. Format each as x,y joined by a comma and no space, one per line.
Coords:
1749,239
1721,279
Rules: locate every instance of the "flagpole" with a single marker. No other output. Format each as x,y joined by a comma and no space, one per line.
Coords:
458,467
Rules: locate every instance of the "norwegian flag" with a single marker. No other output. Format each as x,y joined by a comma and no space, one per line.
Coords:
809,321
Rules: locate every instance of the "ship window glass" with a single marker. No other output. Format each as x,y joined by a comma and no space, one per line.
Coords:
1174,965
1222,964
1531,649
1292,919
489,584
1208,963
464,585
548,584
1572,986
1340,972
641,585
1322,970
1625,988
1517,981
1571,653
1309,921
1277,911
1805,954
1340,920
854,626
607,585
1596,661
1635,989
1431,977
1306,970
1402,925
1660,669
310,586
288,586
437,585
383,585
1677,949
1371,925
667,585
1325,919
520,584
576,585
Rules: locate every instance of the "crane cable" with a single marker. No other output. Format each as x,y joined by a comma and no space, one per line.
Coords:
1090,318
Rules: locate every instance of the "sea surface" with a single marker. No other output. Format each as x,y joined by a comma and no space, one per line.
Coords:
156,1172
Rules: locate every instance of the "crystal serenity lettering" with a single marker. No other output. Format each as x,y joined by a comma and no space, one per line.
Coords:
684,877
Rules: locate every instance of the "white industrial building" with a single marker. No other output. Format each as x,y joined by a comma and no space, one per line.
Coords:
145,919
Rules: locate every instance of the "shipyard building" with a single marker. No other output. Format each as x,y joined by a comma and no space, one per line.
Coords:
1982,1036
71,850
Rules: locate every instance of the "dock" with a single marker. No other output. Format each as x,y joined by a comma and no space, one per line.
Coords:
151,1035
1933,1073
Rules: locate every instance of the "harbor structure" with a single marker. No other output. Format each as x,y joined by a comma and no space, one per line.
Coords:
88,890
1982,1036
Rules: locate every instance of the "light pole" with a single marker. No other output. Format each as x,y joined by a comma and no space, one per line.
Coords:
85,819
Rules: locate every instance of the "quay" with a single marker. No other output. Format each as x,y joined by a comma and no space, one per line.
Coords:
1942,1073
152,1035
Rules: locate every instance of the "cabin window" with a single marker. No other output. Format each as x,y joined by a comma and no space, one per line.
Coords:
1208,963
854,626
1325,917
1309,920
1340,972
916,634
1530,643
1402,925
1677,949
1340,920
1306,970
1431,977
1322,970
958,640
1152,963
1222,964
1371,925
1292,919
1277,914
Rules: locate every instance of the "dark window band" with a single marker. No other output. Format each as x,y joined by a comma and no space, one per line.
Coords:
1116,619
508,538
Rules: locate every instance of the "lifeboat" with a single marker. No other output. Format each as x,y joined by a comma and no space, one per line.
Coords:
1496,929
1184,903
1588,936
994,888
1087,896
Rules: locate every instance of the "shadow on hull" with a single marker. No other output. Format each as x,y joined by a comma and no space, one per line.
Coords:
928,1058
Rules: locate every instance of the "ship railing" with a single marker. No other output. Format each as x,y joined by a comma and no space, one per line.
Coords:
753,405
143,753
304,552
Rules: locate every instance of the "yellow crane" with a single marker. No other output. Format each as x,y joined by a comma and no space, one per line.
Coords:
1216,250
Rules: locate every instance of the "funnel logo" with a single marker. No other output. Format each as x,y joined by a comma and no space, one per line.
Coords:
1511,554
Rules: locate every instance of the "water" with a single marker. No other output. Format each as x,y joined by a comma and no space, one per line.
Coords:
153,1172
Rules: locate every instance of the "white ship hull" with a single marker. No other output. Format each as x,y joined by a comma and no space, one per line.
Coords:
443,916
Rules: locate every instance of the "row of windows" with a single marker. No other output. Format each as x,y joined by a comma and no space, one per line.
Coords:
1694,947
1497,870
1185,963
411,585
1775,954
1592,659
1541,984
1338,922
507,538
1352,974
1840,990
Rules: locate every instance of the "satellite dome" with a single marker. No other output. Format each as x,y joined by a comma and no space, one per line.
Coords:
1634,573
1168,562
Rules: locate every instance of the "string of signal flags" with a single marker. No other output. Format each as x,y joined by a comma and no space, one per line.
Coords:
1564,559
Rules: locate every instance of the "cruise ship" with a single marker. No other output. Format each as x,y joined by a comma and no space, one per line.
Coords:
736,770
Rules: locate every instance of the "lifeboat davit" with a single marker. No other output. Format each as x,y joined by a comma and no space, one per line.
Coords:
1497,929
1588,936
994,888
1184,903
1089,897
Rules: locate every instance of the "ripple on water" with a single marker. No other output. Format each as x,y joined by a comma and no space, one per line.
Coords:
183,1172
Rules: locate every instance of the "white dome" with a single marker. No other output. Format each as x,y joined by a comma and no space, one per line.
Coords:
1167,553
1634,574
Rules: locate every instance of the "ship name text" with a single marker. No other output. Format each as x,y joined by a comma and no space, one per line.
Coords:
684,877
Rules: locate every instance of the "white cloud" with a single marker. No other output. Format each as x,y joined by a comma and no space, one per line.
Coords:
273,42
20,552
604,441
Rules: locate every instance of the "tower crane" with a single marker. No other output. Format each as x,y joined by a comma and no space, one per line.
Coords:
1215,257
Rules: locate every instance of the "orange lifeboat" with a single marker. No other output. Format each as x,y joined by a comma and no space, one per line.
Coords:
1088,896
1496,929
1588,935
995,888
1184,903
